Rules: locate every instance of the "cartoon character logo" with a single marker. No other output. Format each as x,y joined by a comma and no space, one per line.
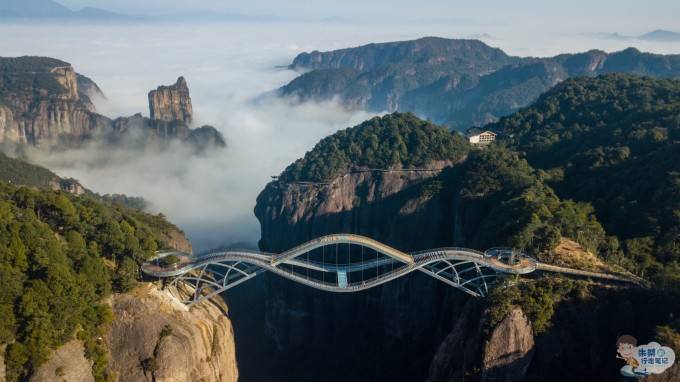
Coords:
643,360
626,346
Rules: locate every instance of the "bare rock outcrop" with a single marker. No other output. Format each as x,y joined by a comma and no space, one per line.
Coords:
67,364
509,350
176,239
66,77
2,365
171,103
154,337
465,356
69,185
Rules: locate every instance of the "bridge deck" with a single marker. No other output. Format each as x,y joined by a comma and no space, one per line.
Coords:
463,268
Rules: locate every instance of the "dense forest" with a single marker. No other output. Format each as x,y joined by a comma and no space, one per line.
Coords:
60,255
612,141
611,144
381,142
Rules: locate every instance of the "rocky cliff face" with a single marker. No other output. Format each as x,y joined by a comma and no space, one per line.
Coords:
509,349
68,363
171,103
404,320
45,103
48,111
422,329
377,204
154,337
2,365
469,354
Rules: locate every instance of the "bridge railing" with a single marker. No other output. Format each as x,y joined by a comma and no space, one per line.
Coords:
229,251
447,249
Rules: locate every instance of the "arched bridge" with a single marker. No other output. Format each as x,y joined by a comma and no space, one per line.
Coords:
348,263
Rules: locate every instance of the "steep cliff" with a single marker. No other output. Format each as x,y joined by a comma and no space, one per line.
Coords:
467,353
40,104
535,329
153,336
424,329
387,204
403,320
509,349
45,103
171,103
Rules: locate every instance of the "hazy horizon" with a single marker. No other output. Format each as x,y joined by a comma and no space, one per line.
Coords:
627,16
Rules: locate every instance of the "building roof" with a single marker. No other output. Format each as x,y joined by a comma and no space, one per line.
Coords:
471,132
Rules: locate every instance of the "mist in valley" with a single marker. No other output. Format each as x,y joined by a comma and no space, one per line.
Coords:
231,70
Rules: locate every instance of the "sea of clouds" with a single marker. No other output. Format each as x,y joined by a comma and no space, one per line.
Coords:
230,67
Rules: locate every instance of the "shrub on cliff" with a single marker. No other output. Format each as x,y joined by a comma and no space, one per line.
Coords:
381,142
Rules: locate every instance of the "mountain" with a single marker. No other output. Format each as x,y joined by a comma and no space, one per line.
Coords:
459,83
48,9
33,8
599,136
72,304
661,35
586,175
45,103
459,55
407,142
65,250
21,173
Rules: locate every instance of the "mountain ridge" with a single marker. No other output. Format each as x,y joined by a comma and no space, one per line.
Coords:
459,83
49,9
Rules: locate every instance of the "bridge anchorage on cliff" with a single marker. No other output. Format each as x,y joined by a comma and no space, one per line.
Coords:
347,263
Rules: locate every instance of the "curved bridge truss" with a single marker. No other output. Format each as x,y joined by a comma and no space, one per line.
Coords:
347,263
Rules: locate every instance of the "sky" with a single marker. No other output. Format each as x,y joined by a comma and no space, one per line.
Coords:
630,16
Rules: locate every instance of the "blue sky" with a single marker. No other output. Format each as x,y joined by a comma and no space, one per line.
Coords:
622,15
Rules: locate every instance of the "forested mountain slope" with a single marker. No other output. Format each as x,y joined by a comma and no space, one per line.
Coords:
459,83
613,141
